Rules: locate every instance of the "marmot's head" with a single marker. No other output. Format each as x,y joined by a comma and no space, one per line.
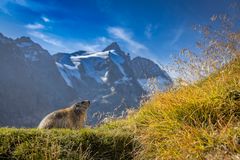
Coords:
81,107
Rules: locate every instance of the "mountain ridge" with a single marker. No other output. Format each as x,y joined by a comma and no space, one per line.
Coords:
107,78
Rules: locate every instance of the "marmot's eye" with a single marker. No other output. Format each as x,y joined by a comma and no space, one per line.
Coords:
77,105
82,102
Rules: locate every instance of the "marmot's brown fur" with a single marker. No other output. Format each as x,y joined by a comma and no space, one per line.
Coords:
72,117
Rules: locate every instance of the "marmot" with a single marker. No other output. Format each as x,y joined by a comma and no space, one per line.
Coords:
72,117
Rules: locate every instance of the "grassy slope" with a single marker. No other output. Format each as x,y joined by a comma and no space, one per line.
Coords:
195,122
64,144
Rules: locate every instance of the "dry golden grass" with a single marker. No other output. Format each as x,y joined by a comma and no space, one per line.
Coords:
200,121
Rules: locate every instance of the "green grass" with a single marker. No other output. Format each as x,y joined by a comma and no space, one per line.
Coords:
64,144
200,121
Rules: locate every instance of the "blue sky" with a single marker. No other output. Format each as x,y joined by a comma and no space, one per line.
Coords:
150,28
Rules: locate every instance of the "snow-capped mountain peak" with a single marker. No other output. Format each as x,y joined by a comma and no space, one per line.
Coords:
95,65
114,46
109,77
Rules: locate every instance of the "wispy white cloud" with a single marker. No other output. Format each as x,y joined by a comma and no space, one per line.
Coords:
104,40
86,46
35,26
46,38
96,45
3,7
59,45
4,10
148,31
45,19
131,45
178,33
20,2
122,34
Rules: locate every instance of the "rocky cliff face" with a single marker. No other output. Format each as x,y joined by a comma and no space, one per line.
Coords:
150,75
30,84
34,83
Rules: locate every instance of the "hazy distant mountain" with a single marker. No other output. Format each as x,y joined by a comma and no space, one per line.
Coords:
30,84
34,83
